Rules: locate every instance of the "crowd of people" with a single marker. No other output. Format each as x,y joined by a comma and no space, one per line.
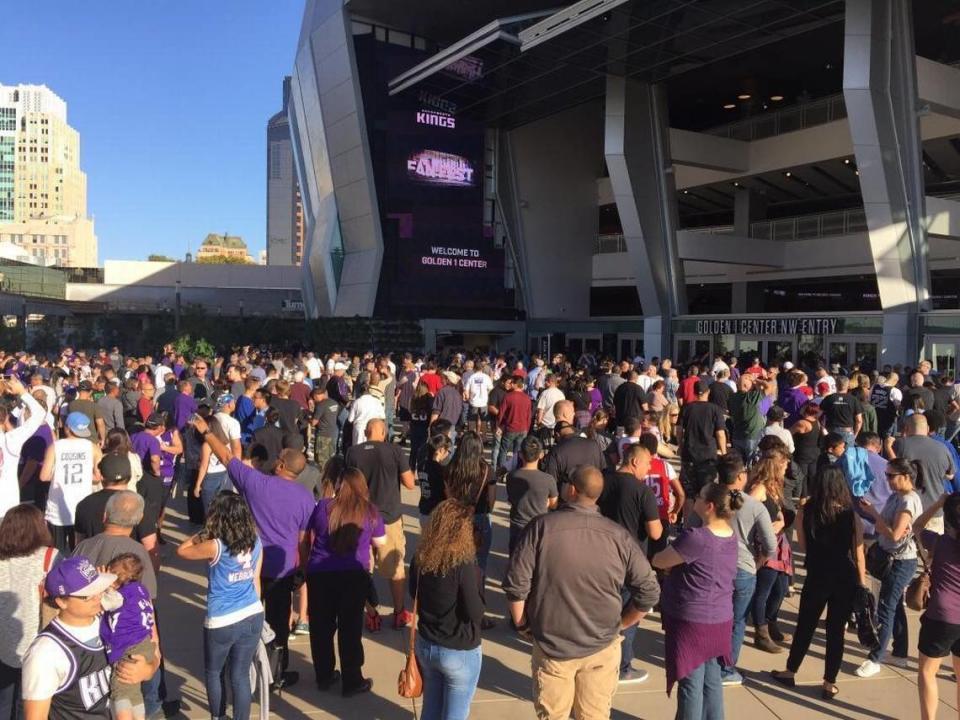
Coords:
633,488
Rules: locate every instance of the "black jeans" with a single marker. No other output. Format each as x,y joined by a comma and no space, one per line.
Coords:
336,606
277,596
837,596
11,707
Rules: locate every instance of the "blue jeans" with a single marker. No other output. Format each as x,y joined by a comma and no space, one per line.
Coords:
449,680
891,617
495,452
11,706
700,694
744,585
510,446
212,484
236,644
771,590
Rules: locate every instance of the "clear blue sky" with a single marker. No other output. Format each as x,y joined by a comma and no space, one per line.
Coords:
171,99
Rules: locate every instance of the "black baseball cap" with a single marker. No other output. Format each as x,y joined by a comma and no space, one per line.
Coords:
702,387
85,386
114,468
154,421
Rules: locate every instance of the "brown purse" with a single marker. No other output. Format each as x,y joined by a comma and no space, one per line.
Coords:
918,591
410,681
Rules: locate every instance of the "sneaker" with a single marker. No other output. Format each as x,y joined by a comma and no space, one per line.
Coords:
900,662
633,675
301,628
373,621
363,687
868,669
731,678
402,619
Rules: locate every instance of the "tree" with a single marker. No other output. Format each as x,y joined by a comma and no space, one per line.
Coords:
223,260
160,258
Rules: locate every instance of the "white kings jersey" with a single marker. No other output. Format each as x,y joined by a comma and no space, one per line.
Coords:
72,479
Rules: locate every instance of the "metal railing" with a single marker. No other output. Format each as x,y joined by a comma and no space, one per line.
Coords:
807,227
789,119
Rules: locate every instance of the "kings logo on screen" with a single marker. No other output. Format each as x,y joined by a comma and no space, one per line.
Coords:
433,167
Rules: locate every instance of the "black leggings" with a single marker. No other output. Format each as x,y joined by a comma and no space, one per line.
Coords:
336,602
837,597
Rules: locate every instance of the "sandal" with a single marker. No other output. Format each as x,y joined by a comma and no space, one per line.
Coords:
829,692
784,677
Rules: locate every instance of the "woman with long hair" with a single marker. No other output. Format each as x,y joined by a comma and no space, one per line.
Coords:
940,622
234,619
697,604
668,423
343,528
773,578
597,430
212,475
894,528
420,408
26,554
445,581
826,527
330,475
117,442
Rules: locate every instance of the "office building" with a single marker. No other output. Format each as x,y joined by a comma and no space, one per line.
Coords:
619,176
43,191
231,247
284,208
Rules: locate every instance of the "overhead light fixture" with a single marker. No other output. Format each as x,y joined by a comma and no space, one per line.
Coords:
776,98
736,184
686,192
729,106
744,96
788,173
856,172
846,161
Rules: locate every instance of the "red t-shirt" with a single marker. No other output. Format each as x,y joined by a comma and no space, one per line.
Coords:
688,389
433,382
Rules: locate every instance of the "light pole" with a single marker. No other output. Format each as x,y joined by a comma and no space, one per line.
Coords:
176,310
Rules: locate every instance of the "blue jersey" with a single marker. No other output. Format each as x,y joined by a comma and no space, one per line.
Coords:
231,594
128,625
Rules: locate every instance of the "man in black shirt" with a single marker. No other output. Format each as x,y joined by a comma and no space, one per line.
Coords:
570,452
324,425
385,467
701,436
720,391
917,390
629,400
842,412
629,502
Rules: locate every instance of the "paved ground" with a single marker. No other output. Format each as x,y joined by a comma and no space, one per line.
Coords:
504,689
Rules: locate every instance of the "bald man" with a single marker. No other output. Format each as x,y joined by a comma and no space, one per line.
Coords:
281,508
563,586
934,458
386,468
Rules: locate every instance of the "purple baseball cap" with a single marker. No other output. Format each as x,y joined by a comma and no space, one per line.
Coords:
77,577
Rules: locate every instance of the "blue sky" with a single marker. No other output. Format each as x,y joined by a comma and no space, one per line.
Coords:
171,99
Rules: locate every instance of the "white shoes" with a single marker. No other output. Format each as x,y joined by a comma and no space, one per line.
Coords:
868,669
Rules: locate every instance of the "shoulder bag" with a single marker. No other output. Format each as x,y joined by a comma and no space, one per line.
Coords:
918,591
864,607
879,561
410,681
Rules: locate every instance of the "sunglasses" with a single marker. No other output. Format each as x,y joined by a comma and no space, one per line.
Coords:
893,475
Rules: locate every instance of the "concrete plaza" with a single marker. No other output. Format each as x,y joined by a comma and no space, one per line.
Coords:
505,686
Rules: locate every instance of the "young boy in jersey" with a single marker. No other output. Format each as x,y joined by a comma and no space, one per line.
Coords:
668,491
127,629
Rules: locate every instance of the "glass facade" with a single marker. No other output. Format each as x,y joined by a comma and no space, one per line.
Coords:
7,151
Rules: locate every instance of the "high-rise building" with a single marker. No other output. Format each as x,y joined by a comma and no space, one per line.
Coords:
284,208
43,191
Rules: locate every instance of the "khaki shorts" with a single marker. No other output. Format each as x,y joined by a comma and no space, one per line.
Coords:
388,558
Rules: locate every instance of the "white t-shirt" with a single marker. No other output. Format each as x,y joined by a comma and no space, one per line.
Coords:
11,444
314,368
548,399
230,426
645,381
478,389
47,667
72,479
364,409
782,433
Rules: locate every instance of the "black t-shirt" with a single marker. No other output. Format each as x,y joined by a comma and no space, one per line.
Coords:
482,505
569,454
151,489
628,502
701,421
289,411
430,478
382,464
325,413
923,393
841,410
628,401
88,519
528,492
720,394
266,447
496,396
942,397
450,606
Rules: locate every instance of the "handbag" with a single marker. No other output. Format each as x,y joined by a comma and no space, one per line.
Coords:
918,591
864,605
410,681
879,561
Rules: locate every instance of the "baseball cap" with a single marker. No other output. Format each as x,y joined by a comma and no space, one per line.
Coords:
79,424
339,366
788,365
702,387
154,421
115,467
224,400
451,377
85,386
519,373
76,576
776,413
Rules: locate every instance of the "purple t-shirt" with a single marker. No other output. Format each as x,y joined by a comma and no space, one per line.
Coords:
324,559
944,604
281,508
35,448
131,623
145,445
701,590
183,407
